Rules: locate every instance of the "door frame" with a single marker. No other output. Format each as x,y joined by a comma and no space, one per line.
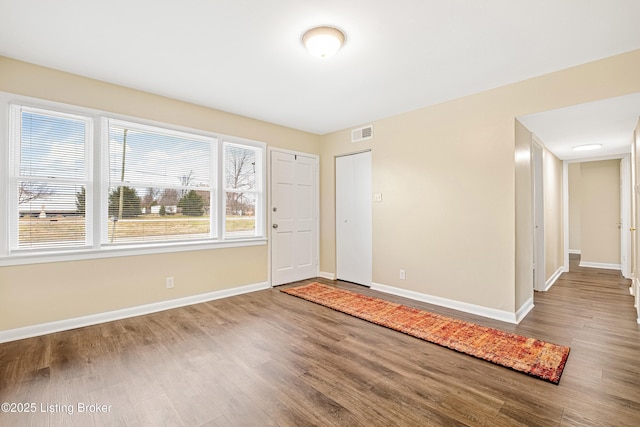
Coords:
335,215
269,208
537,193
634,290
625,215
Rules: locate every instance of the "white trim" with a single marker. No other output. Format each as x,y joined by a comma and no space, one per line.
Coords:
565,196
479,310
524,310
625,213
551,280
363,274
565,215
538,213
325,275
109,316
575,251
294,152
133,250
602,265
598,158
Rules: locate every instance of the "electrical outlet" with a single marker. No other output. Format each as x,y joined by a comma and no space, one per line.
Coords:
170,283
377,197
403,275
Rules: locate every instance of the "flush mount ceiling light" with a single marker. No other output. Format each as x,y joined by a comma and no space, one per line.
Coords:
587,147
323,41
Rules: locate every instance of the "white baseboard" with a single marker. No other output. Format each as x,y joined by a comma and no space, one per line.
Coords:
601,265
109,316
575,251
524,310
328,276
555,276
479,310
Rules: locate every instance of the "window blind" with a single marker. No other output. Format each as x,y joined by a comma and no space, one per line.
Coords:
160,185
51,180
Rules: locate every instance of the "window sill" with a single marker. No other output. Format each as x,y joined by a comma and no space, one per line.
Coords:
122,251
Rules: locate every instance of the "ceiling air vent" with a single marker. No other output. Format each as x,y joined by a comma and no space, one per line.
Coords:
362,133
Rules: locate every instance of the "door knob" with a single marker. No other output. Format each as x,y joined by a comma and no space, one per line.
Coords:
275,225
632,229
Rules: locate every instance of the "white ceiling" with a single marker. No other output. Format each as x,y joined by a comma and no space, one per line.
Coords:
246,56
610,122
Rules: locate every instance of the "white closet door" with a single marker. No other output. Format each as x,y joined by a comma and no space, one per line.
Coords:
353,218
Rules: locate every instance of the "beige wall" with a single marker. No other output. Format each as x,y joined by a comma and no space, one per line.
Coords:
33,294
552,169
40,293
575,207
553,215
524,215
31,80
448,178
600,208
443,204
447,174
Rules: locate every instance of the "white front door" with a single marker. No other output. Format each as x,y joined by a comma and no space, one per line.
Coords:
294,217
353,218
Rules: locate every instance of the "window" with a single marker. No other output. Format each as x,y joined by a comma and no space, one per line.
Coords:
160,185
48,186
79,182
243,190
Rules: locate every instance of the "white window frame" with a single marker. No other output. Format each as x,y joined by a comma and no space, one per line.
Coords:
98,187
14,158
258,192
106,122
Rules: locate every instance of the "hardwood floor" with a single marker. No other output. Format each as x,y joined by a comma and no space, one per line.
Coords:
268,358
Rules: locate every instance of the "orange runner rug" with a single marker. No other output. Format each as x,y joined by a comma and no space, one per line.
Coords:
529,355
